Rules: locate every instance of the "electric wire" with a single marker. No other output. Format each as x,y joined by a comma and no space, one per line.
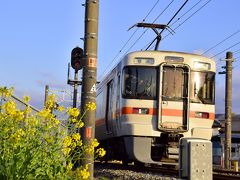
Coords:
234,52
225,49
148,29
174,23
125,44
185,13
234,60
151,10
188,18
167,24
221,42
219,67
163,11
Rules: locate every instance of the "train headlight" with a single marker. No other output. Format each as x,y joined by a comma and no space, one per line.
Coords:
201,66
204,115
140,110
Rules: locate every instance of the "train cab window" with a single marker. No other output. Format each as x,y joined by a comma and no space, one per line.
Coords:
202,87
139,82
174,82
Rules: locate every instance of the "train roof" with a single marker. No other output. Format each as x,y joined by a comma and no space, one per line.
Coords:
173,53
168,57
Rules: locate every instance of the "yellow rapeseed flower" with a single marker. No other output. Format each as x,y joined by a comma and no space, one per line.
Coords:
15,137
44,113
67,141
69,166
60,108
90,149
10,107
66,151
19,115
79,124
50,103
20,133
26,99
32,131
76,137
27,111
74,112
32,121
83,172
79,143
73,120
5,92
95,143
100,152
91,106
49,139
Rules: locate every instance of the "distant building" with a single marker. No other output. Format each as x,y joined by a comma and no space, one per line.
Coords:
235,122
219,140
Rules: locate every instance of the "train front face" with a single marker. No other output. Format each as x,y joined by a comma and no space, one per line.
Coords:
165,96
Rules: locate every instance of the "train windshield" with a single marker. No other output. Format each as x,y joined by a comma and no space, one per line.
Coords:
139,82
202,87
174,83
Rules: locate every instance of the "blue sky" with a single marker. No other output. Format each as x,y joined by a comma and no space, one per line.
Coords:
36,38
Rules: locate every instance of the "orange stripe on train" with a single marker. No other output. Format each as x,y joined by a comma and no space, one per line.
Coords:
153,111
166,112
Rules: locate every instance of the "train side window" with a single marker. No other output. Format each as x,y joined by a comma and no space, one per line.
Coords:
139,82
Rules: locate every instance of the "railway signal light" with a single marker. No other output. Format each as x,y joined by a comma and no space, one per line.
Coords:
76,58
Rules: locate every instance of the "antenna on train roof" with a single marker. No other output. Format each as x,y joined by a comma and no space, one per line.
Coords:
154,27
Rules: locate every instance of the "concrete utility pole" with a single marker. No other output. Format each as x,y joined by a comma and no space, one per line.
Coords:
228,110
89,77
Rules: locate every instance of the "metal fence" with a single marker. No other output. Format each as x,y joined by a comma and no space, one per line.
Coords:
21,105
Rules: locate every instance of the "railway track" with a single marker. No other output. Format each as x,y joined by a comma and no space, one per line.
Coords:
220,174
161,171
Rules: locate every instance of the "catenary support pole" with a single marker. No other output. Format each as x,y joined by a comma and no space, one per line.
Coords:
88,94
228,110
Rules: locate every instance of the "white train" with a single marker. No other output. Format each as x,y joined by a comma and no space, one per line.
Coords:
150,100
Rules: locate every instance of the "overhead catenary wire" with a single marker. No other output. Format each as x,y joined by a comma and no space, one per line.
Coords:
188,18
144,19
175,22
167,24
163,11
150,43
218,69
148,29
233,34
234,52
225,49
185,13
129,39
238,63
234,68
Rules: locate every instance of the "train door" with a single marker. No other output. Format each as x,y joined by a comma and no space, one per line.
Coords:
118,103
173,98
109,107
